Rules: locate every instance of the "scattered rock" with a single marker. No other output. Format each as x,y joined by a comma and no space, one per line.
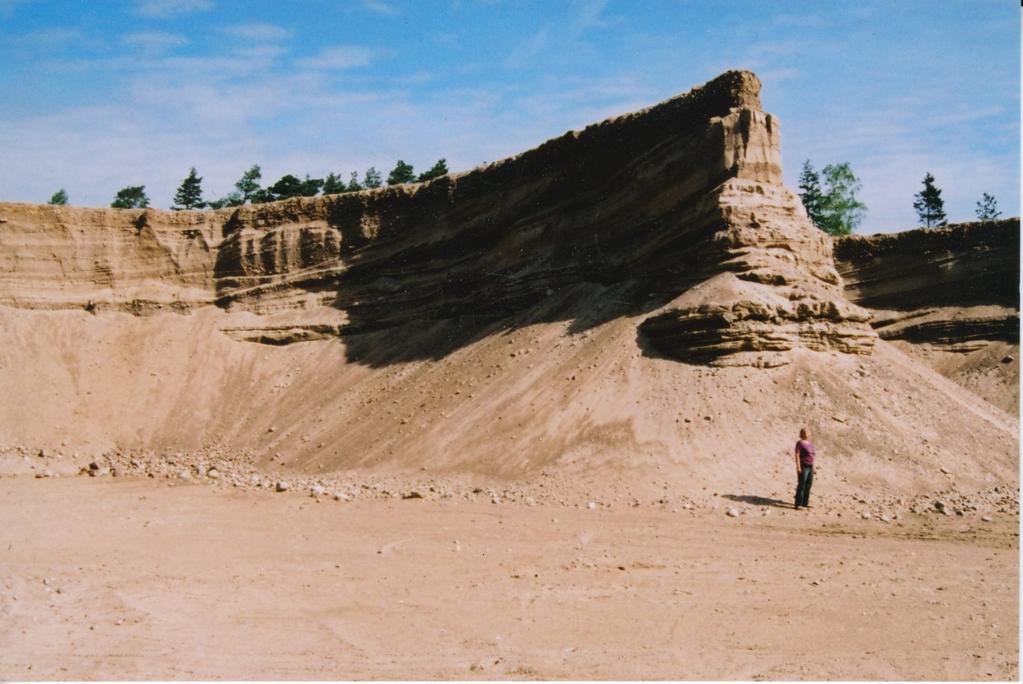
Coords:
184,475
866,515
213,474
1008,359
986,518
732,512
282,486
592,505
317,491
939,506
413,495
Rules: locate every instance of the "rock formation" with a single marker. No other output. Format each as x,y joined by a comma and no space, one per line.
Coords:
681,205
641,304
949,296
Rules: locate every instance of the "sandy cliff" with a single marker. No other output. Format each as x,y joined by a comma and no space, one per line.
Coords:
949,296
642,300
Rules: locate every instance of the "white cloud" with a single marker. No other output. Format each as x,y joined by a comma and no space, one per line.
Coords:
528,48
339,57
380,7
154,41
161,9
259,31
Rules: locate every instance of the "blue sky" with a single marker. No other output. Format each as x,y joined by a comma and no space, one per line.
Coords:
96,95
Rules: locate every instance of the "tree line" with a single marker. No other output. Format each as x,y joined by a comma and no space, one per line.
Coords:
829,197
189,194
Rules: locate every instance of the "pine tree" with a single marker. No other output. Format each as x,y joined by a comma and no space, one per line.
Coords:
929,205
401,173
987,208
189,194
333,185
311,186
288,186
810,186
372,178
353,182
131,197
59,197
436,171
248,184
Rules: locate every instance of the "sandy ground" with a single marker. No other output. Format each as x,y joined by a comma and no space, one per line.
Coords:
134,578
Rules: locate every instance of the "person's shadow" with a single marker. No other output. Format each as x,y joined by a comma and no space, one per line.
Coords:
754,500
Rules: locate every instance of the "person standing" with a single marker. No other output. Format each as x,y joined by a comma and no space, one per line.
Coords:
805,454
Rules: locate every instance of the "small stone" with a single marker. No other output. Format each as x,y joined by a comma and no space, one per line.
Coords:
945,471
413,495
939,506
282,486
184,475
986,518
885,519
93,466
732,512
213,474
271,429
866,515
317,490
1008,359
592,505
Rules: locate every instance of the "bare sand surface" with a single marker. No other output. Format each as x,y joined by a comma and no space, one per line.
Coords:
136,578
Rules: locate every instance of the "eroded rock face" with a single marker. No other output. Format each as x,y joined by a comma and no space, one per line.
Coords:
956,287
680,208
947,296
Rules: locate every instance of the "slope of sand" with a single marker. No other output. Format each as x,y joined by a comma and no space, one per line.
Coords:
132,579
588,403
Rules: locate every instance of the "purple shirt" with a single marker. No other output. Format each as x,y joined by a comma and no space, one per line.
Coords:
806,452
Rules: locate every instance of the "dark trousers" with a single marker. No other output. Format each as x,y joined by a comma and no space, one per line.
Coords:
803,484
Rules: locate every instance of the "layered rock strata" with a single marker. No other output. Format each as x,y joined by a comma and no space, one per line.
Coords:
679,209
956,287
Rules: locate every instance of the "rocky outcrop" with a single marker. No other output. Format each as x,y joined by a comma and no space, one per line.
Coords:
947,296
956,286
680,208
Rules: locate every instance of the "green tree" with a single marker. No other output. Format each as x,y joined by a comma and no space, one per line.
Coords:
401,173
436,171
189,194
372,178
59,197
287,186
311,186
248,184
131,197
987,208
353,182
930,208
333,185
810,192
840,211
